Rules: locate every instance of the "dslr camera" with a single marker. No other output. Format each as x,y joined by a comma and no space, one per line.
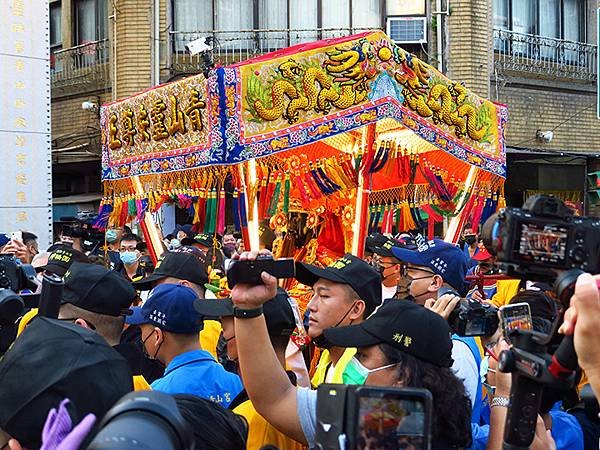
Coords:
14,277
542,237
470,317
373,417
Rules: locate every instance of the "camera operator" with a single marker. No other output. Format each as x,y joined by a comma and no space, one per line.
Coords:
565,428
400,345
433,265
25,250
345,293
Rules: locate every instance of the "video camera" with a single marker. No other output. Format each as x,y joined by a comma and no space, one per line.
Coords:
373,417
542,237
249,272
81,227
470,317
14,277
543,241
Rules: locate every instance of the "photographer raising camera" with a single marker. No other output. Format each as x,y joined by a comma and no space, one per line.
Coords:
401,345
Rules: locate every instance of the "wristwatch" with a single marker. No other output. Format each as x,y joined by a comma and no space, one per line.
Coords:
247,313
500,401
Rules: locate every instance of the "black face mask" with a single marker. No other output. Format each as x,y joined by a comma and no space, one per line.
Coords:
321,341
470,240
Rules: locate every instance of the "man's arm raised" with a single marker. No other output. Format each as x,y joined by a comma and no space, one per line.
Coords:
265,380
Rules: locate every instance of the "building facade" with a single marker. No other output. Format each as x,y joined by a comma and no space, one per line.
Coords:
537,56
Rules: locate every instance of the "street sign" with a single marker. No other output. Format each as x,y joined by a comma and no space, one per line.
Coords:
25,153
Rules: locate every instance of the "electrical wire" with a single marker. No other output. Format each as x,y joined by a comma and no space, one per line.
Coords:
559,124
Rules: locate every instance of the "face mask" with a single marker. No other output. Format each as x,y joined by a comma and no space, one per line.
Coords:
470,240
111,236
145,350
356,373
175,243
129,258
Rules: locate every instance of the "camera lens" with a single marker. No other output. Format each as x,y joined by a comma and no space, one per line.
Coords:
136,429
11,307
143,420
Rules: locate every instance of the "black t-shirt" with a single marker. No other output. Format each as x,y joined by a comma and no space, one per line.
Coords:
130,348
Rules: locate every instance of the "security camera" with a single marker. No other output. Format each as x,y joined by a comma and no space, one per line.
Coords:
201,45
544,136
88,106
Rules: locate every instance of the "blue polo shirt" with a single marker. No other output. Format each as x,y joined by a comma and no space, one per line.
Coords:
196,372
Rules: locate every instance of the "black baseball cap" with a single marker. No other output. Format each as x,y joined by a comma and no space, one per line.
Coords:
405,326
278,312
180,265
373,241
349,270
61,259
53,360
96,289
385,246
206,239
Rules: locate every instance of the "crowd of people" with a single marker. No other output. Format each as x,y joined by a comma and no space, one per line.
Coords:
244,370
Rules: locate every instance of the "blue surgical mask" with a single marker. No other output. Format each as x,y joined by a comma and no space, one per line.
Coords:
111,236
129,258
175,244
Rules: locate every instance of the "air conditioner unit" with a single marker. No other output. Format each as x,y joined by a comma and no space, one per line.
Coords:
407,30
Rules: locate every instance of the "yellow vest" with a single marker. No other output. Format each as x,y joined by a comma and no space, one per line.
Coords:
28,317
324,362
505,291
140,383
261,432
209,336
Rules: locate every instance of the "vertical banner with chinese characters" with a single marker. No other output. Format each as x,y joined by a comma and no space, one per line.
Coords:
25,153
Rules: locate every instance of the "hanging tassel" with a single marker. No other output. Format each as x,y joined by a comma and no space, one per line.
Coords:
275,199
124,211
236,211
243,215
221,216
208,211
196,218
201,209
304,195
286,194
101,220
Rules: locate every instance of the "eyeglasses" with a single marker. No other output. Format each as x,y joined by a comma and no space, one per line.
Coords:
418,269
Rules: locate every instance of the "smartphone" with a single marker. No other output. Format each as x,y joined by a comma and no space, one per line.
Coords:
16,236
390,418
248,272
515,317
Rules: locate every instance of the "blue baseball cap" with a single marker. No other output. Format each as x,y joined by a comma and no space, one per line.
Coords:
169,307
444,259
3,239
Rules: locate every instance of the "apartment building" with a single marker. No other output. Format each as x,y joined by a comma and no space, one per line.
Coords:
537,56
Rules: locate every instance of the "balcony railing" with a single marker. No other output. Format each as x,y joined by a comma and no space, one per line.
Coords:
231,47
545,56
83,64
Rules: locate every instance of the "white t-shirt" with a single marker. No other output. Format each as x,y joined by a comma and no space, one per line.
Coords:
388,292
465,368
